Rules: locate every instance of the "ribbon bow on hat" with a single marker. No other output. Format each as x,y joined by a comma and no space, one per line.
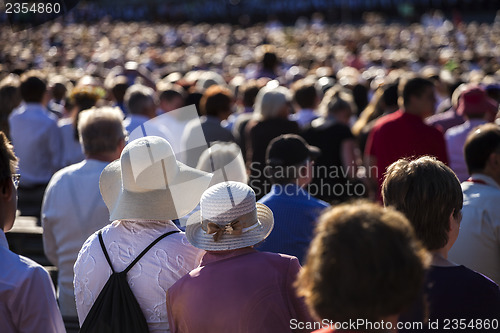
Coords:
232,228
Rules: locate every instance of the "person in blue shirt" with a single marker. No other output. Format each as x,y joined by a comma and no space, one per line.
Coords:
289,165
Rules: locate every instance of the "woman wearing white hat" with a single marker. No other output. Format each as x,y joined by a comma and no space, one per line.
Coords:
144,190
236,288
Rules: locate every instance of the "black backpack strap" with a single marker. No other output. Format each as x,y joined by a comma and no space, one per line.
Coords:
147,249
104,250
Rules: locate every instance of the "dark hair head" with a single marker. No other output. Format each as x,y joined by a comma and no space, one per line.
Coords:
414,87
8,161
215,101
480,143
249,92
169,92
119,88
364,262
270,60
304,94
33,87
427,192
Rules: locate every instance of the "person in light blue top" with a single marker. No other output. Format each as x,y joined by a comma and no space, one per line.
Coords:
37,142
289,165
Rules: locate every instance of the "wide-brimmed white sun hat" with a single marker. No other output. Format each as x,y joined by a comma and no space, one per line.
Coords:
148,183
229,218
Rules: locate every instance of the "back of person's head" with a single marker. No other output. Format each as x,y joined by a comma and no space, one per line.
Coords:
216,101
427,192
270,102
119,88
338,103
8,161
390,96
225,155
289,160
8,166
413,87
33,87
101,130
305,94
59,87
480,144
270,60
84,97
364,262
169,92
139,99
248,92
10,96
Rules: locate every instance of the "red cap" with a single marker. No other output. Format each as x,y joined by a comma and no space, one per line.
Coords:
475,101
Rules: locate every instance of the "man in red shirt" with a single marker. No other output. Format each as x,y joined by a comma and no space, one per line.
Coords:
404,133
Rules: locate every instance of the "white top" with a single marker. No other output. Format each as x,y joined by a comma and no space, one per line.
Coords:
72,210
149,279
478,243
73,152
139,126
455,140
37,142
27,297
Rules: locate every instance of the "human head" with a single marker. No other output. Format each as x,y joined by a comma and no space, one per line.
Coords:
418,96
225,155
305,94
119,87
33,87
475,103
289,159
101,132
158,188
248,92
482,148
217,101
364,262
428,193
338,104
172,97
229,218
140,100
59,87
272,102
8,193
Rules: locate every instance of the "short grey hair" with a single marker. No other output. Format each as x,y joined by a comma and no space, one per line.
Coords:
101,129
227,155
269,102
138,98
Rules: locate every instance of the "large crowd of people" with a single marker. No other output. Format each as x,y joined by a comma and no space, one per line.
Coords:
229,149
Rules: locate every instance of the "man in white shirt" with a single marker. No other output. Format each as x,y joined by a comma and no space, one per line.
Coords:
73,208
477,108
27,298
144,190
37,142
478,243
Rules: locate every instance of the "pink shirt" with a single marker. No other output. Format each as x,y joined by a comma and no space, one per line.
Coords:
237,291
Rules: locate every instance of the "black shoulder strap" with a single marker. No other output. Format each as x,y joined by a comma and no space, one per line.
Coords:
104,250
139,256
148,248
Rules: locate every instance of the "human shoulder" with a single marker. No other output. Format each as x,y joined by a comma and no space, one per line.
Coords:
387,120
22,268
